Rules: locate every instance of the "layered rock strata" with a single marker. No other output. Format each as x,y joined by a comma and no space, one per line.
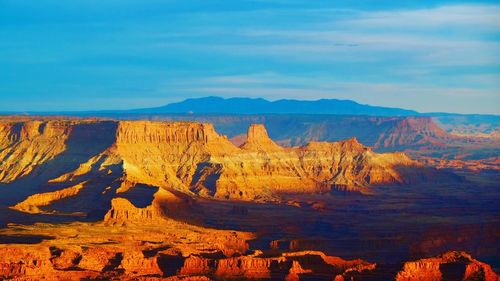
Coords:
187,157
449,266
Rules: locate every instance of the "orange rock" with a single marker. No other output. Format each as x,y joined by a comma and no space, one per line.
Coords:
193,159
295,270
136,264
122,211
33,202
258,140
17,261
26,145
64,258
460,265
97,258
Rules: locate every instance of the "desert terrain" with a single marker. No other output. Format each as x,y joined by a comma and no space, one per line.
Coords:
177,200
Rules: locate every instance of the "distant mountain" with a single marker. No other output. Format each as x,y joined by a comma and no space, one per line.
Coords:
217,105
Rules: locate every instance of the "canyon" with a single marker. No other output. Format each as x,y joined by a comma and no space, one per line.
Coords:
418,136
191,158
177,200
133,243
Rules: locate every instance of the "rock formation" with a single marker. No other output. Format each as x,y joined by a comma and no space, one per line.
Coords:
33,202
413,131
130,176
187,157
123,261
130,243
122,211
173,251
29,144
25,145
449,266
258,140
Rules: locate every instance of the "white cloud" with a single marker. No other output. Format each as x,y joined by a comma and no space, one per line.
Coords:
442,36
482,16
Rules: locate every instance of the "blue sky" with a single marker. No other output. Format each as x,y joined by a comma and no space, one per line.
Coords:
94,54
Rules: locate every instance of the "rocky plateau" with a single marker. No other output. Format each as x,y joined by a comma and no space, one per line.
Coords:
86,199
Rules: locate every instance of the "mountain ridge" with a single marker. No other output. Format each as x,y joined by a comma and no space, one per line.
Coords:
182,107
238,105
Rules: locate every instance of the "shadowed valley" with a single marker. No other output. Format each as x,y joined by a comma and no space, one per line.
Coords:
156,199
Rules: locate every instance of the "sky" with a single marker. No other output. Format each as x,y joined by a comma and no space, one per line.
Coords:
430,56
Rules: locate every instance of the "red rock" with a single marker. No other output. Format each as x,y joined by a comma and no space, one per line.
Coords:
462,266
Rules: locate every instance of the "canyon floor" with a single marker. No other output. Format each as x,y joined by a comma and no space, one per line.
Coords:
152,201
314,237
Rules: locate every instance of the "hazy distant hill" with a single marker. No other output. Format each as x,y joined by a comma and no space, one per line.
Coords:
451,122
258,106
321,111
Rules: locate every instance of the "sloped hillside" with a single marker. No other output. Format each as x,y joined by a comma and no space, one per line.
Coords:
99,160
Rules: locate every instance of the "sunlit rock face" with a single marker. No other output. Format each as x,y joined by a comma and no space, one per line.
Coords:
115,261
449,266
25,145
192,157
188,157
130,176
128,260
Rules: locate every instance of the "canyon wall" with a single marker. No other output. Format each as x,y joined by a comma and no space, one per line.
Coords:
89,158
33,262
449,266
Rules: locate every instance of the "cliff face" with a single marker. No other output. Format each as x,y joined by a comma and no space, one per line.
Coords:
163,256
265,169
28,147
124,212
449,266
33,202
192,158
137,262
167,154
413,132
23,146
381,133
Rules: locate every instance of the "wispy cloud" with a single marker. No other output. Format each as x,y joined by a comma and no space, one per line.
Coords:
486,17
441,57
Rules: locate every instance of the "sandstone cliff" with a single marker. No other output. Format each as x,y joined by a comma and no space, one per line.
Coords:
34,147
382,133
113,157
33,202
25,145
175,251
449,266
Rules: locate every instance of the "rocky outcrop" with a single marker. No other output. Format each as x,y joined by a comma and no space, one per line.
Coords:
288,266
100,259
19,261
262,171
26,145
65,259
258,140
414,132
382,133
449,266
167,154
32,203
192,158
124,212
178,251
135,263
47,146
117,251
